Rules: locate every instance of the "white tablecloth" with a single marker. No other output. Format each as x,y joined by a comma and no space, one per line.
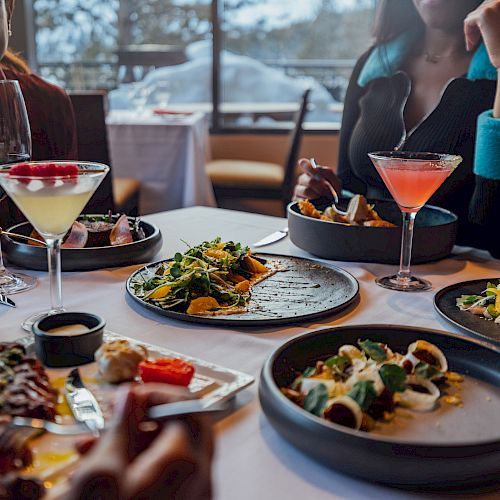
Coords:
166,153
252,460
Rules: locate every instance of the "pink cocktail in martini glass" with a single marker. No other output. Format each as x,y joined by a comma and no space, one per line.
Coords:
411,178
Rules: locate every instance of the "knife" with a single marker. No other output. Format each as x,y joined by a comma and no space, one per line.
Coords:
83,404
272,238
6,301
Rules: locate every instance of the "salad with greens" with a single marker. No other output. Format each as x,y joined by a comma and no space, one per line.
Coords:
486,305
360,385
212,278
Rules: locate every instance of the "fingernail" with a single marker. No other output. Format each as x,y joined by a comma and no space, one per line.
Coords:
303,163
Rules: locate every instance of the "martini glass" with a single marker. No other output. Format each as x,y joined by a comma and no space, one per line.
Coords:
411,178
52,204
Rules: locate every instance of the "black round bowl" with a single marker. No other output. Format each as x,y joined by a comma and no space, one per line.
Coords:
421,461
330,240
59,350
21,254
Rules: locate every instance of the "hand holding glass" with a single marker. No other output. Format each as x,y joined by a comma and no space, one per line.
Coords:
411,178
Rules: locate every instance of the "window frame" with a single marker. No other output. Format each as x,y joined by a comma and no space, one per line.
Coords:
27,45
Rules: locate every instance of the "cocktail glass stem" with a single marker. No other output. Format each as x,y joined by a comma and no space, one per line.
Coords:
13,283
54,263
404,275
2,267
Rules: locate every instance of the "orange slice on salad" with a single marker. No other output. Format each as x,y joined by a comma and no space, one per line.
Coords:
202,305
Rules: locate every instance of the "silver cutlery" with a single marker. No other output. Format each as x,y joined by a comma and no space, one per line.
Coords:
330,187
82,402
159,412
6,301
271,238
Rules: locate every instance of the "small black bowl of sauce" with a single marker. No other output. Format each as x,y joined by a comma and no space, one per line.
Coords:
68,338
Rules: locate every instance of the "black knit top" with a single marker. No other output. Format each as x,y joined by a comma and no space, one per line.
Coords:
373,121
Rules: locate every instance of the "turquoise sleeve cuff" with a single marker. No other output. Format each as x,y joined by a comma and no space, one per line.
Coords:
487,155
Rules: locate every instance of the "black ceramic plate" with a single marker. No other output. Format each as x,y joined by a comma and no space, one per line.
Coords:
448,447
333,241
83,259
445,304
306,290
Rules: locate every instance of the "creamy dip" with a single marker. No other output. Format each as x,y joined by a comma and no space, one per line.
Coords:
69,330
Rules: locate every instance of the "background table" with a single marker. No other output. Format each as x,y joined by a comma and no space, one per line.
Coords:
252,460
166,153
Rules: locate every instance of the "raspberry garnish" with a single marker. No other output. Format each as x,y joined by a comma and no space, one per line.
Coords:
47,171
21,169
70,170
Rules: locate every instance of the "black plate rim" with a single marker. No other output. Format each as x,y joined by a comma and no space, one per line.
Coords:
297,213
438,297
214,320
361,435
155,233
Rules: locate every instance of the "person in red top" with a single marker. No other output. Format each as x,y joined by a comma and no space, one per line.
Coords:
52,122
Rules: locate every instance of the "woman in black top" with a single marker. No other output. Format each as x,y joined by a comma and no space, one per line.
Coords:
423,86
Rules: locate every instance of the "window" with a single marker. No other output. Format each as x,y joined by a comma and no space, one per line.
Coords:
274,49
268,54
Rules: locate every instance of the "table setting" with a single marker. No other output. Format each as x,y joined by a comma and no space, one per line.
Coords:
264,440
166,150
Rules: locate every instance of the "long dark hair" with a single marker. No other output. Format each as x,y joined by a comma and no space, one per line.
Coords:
394,17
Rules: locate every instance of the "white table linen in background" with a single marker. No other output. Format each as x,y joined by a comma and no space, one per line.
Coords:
252,460
166,153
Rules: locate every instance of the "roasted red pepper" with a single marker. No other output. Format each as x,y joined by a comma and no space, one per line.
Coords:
166,370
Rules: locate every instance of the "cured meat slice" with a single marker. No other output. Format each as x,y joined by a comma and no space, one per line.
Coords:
78,236
121,234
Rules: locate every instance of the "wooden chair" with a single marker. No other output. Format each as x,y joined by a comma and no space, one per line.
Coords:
256,179
118,194
146,57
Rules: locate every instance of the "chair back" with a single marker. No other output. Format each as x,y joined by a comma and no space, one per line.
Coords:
138,60
90,115
295,140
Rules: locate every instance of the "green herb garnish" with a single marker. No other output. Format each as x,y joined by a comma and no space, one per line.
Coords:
339,364
374,350
316,399
363,392
424,370
393,377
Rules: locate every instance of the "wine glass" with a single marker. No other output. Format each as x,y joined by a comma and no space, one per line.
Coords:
15,146
411,178
161,93
51,196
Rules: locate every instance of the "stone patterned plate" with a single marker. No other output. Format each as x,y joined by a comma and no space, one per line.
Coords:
302,291
445,304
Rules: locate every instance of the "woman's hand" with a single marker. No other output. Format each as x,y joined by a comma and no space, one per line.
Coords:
484,22
313,183
140,459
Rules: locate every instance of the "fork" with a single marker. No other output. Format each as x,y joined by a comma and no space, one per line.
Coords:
318,177
159,412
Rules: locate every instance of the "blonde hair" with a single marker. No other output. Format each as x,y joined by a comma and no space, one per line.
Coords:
14,62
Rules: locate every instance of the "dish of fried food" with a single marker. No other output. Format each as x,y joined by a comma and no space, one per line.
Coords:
359,213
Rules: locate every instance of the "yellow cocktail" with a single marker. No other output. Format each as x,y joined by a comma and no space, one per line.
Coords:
51,196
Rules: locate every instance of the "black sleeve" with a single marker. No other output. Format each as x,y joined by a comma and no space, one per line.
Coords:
483,214
349,118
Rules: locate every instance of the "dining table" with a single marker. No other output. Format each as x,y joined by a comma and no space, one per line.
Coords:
252,460
166,151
